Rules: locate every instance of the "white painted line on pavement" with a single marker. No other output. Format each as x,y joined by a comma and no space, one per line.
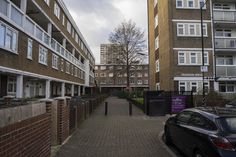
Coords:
164,145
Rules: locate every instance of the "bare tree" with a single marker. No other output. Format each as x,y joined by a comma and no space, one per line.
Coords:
128,44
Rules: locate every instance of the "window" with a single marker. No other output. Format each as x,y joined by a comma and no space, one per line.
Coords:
68,26
145,82
8,38
184,117
102,74
191,29
140,82
11,85
190,3
202,3
111,75
156,43
224,60
194,87
206,58
179,3
96,67
156,21
181,58
145,74
47,2
180,29
132,81
30,49
227,87
57,10
182,86
67,68
119,75
140,75
43,55
155,3
55,61
72,69
120,81
63,20
193,58
103,67
76,37
199,121
62,65
132,75
222,6
157,66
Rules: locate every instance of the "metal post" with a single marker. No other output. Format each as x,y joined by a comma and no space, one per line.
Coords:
106,105
130,109
203,73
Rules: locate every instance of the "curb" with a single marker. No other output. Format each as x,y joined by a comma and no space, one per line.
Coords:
164,145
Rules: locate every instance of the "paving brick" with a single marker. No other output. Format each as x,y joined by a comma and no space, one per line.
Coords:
117,135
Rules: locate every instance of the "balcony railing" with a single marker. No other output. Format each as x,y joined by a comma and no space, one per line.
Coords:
226,70
9,10
225,43
225,15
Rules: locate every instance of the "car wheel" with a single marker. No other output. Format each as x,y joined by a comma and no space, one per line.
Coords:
198,154
167,137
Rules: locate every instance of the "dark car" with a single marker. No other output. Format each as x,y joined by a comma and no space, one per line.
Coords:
231,104
203,132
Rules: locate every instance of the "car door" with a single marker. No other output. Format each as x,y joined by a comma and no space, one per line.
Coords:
177,130
197,134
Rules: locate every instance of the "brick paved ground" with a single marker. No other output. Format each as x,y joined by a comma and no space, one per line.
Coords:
117,135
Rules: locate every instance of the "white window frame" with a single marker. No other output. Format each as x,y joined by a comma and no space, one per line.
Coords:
47,2
181,2
13,83
194,84
57,10
184,55
55,61
181,85
63,20
190,1
43,55
30,49
193,55
156,43
14,38
183,26
69,26
67,67
157,66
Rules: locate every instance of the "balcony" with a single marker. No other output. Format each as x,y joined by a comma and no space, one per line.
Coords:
13,13
225,70
225,15
225,43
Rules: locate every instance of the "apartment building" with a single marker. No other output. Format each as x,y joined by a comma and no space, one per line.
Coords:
175,45
113,77
108,55
42,51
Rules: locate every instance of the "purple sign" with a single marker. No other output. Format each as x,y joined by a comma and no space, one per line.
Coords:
178,103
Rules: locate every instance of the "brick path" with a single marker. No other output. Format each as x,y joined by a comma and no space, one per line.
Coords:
117,135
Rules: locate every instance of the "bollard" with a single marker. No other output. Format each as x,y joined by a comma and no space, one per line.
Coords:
106,105
130,108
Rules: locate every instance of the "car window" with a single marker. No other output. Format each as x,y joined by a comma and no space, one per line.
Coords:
229,124
183,117
199,121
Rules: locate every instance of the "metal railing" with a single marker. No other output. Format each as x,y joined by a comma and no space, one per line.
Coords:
225,70
225,15
225,43
11,11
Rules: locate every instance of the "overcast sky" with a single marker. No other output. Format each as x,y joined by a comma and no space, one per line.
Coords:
96,19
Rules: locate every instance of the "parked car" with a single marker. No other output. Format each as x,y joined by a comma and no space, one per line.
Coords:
231,104
203,132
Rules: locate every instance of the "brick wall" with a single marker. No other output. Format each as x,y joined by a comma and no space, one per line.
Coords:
27,138
63,120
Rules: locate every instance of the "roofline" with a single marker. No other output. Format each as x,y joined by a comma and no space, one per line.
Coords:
66,11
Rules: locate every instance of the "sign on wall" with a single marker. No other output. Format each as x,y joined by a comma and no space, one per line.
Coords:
178,103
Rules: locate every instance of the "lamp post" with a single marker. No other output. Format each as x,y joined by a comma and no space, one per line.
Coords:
203,68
